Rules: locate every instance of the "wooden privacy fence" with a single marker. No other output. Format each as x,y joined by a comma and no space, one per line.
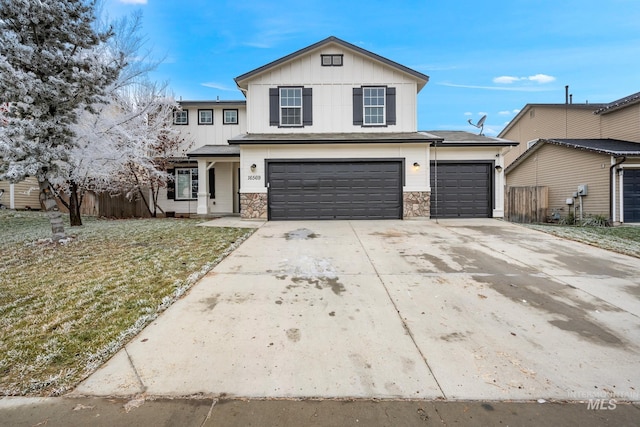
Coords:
526,204
109,206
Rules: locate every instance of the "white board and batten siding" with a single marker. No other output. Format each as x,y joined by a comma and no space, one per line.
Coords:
198,135
332,92
223,202
416,179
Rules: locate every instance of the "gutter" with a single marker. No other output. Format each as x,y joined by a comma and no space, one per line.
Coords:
611,190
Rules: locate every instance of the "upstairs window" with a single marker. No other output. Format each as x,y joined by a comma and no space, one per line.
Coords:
374,106
181,117
230,117
205,117
291,106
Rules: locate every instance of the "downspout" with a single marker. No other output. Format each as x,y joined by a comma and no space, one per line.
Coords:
611,189
435,172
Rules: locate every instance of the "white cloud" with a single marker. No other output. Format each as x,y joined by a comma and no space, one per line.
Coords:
214,85
538,78
468,113
504,113
542,78
133,1
506,79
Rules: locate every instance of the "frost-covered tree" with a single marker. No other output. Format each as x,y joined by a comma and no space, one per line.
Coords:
125,148
50,69
120,144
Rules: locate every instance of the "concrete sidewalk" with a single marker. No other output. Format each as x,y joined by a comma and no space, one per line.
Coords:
69,412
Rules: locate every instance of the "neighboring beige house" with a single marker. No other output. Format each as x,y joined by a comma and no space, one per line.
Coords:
601,155
550,121
21,195
329,132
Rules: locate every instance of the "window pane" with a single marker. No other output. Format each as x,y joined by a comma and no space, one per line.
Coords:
291,116
374,103
194,183
206,116
231,116
183,183
291,106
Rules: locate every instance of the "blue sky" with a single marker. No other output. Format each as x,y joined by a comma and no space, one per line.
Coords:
489,57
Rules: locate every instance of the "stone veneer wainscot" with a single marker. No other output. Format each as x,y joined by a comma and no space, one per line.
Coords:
416,204
253,205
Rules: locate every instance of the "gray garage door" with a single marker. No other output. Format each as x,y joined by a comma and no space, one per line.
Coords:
463,190
335,190
631,195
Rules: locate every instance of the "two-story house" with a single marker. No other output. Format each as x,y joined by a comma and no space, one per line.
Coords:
330,132
591,147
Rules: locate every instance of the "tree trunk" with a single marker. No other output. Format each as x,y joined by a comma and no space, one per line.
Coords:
74,206
49,205
141,193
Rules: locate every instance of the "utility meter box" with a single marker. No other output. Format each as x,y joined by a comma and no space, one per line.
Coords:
583,190
569,201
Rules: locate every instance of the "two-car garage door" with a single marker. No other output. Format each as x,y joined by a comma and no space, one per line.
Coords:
355,189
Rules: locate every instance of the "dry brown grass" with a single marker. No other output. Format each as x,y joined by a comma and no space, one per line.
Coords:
64,309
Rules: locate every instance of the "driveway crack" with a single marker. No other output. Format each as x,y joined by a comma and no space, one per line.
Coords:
395,306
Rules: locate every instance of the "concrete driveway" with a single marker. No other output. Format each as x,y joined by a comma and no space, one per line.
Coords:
460,309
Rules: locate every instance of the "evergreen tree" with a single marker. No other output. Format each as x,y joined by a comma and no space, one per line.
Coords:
50,69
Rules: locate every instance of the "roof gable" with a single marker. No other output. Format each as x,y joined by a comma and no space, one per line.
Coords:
606,146
422,79
619,104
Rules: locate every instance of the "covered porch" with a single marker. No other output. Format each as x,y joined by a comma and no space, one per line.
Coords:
218,179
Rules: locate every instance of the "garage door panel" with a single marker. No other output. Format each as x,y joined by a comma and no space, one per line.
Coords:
335,190
462,190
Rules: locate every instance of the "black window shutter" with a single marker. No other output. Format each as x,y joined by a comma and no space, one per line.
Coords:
307,110
391,106
171,185
274,106
212,183
357,106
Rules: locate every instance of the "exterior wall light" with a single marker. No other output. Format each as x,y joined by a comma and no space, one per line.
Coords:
253,167
416,165
498,168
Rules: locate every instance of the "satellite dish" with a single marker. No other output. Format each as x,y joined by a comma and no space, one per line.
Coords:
480,124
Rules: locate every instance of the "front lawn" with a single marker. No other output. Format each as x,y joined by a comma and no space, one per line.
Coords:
66,308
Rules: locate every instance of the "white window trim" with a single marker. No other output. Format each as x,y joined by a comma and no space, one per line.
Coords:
224,116
200,122
384,106
281,107
178,196
183,115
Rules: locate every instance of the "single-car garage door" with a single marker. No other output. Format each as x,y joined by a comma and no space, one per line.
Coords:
631,191
461,190
358,189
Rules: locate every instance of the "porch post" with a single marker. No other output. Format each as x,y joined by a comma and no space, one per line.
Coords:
203,190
